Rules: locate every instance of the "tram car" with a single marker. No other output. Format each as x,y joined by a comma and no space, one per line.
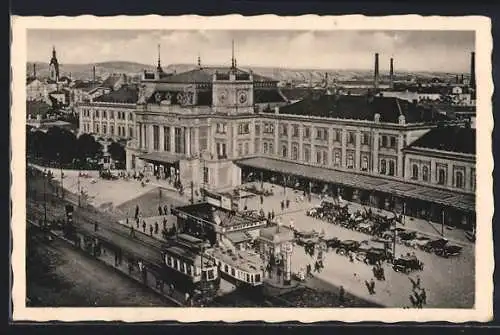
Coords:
242,268
186,267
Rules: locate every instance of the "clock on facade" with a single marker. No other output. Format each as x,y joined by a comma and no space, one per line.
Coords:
242,97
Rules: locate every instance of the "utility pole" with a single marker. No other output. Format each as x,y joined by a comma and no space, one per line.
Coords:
44,199
79,191
442,223
192,192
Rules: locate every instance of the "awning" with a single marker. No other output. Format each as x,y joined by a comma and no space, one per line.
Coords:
160,157
238,237
465,202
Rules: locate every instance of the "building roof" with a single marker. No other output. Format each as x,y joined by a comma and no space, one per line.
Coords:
238,236
217,215
268,95
205,75
113,79
466,202
451,139
86,85
362,108
126,94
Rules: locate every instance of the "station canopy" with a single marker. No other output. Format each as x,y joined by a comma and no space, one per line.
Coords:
160,157
465,202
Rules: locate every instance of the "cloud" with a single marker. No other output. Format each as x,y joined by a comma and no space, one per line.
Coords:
413,50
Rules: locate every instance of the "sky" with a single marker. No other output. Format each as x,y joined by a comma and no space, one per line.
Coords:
447,51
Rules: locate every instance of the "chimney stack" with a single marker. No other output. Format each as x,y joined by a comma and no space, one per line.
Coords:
34,70
376,76
473,70
391,73
93,74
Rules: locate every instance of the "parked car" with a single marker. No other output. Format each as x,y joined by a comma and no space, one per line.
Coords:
375,255
407,264
419,242
433,245
407,235
346,246
449,251
332,243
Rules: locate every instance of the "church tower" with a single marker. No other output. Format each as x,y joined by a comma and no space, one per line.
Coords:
54,66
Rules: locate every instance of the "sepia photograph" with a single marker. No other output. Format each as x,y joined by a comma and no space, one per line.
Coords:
242,166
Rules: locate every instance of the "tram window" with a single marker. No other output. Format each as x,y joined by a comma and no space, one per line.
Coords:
190,270
233,273
210,274
226,268
176,264
184,269
248,278
257,278
169,261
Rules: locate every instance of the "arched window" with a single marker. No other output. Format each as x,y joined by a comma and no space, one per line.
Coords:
441,177
383,166
295,152
337,158
425,173
350,161
284,151
391,168
459,179
414,173
364,163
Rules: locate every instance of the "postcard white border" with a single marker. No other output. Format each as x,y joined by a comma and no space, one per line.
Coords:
483,310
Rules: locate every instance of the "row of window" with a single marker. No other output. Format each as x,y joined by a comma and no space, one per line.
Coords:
441,176
188,269
105,130
238,274
119,115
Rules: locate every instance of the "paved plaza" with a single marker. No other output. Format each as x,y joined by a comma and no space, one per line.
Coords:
394,292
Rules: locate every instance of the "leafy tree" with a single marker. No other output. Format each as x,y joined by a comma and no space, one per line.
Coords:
88,147
117,151
60,145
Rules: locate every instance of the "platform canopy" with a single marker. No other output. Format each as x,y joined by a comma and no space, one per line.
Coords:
160,157
465,202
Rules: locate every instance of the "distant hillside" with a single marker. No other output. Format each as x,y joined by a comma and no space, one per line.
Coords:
103,69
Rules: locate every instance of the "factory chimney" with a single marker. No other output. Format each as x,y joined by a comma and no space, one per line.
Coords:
376,75
34,70
473,70
391,74
93,74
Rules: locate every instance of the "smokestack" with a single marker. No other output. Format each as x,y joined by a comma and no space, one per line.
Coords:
93,73
376,76
34,70
391,73
473,70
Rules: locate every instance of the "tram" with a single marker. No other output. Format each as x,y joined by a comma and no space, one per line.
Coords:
243,268
186,267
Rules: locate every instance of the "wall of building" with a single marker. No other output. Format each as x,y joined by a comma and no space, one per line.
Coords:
458,171
116,121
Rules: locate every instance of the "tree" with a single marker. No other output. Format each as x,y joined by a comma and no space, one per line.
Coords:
88,147
117,151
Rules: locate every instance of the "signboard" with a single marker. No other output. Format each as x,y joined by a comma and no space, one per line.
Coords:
213,202
226,203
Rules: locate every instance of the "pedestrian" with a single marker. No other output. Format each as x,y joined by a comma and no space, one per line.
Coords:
151,230
341,296
96,226
171,289
423,296
413,301
160,210
372,285
136,212
165,210
186,297
156,228
261,199
368,287
144,226
282,205
137,222
126,221
132,231
287,203
418,282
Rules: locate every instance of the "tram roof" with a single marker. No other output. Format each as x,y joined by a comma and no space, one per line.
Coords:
465,202
241,259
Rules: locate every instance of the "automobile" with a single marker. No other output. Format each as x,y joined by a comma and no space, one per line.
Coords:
375,255
346,246
449,251
332,242
364,227
407,264
407,235
433,245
